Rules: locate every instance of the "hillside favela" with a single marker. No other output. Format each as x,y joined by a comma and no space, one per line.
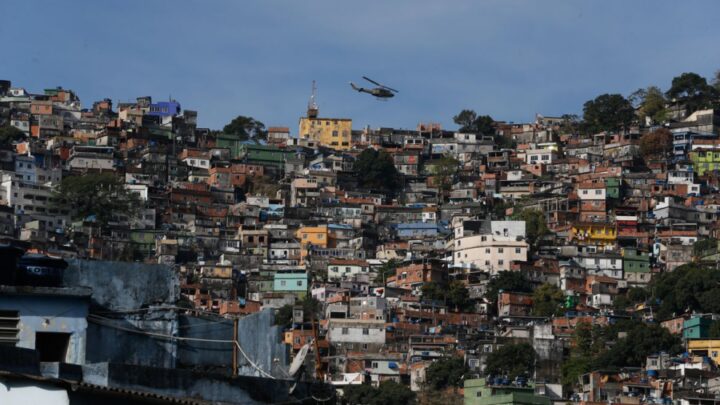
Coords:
147,260
397,202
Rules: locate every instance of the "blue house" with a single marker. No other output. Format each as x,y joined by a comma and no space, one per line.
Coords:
165,109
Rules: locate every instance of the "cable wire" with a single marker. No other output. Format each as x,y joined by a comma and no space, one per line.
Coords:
107,322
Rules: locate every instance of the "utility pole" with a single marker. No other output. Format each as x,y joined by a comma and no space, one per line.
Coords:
236,324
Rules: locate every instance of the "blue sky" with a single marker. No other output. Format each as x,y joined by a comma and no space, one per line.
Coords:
506,58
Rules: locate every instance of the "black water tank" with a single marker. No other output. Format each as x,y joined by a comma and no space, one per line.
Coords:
40,270
9,256
5,87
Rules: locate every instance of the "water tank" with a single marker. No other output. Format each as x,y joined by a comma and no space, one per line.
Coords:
9,256
5,87
40,270
652,373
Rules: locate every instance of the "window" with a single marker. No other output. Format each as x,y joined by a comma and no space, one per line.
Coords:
501,262
487,251
345,331
334,134
282,283
517,251
501,250
598,192
366,331
374,364
299,283
584,192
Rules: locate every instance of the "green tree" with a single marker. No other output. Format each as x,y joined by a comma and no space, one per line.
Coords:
641,340
572,368
245,128
359,394
284,316
653,105
387,270
469,121
512,360
689,287
466,120
535,225
376,170
547,300
705,246
9,133
692,90
446,372
656,144
101,195
389,392
507,281
444,171
716,81
311,311
570,124
608,112
454,294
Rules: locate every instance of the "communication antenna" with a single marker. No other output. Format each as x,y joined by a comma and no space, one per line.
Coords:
312,110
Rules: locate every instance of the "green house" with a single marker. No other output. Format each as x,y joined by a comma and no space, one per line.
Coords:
252,152
294,281
480,392
635,261
612,186
705,161
231,142
265,155
696,328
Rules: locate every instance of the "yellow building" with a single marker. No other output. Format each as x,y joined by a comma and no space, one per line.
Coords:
593,233
334,133
705,347
312,236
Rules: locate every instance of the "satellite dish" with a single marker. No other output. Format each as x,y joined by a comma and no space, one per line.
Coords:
299,359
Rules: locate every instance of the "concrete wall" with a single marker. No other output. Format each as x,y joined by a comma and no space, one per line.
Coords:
205,355
263,343
50,314
110,341
124,286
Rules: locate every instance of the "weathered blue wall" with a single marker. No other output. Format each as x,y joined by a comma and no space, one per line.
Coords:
51,314
262,341
107,342
205,355
124,286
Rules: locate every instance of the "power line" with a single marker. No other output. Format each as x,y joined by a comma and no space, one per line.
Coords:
107,322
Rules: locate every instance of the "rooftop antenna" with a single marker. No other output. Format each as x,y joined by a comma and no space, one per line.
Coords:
312,110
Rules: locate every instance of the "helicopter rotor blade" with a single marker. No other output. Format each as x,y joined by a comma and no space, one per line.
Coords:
372,81
388,88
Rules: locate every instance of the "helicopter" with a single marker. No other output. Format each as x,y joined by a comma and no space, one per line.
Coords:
379,92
